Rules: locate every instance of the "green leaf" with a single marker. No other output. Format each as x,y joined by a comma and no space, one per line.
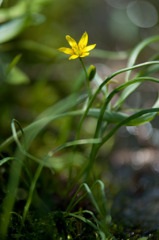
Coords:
109,116
85,220
13,63
129,87
4,160
135,53
31,133
65,161
16,76
21,7
11,29
117,117
145,118
126,121
141,120
74,143
15,11
100,204
1,1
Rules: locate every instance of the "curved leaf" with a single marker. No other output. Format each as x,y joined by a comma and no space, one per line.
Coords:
135,53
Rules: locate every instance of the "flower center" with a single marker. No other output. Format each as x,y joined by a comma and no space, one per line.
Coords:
77,51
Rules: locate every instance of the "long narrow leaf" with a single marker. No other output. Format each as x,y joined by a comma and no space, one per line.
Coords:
99,89
115,91
9,201
137,50
124,122
85,220
4,160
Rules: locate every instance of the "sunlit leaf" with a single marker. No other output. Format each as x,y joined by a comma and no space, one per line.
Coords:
1,1
13,12
126,121
145,118
4,160
11,29
16,76
117,117
22,7
65,161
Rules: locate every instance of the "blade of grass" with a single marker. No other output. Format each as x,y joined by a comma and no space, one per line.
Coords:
16,166
4,160
135,53
105,82
105,104
129,119
85,220
42,162
103,213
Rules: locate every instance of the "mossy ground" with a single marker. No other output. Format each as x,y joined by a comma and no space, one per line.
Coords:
50,226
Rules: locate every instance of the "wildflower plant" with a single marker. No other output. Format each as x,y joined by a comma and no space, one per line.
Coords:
109,118
79,50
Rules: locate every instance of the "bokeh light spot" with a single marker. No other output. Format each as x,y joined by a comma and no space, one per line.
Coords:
142,14
121,4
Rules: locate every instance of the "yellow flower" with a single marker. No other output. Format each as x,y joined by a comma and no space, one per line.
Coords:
78,50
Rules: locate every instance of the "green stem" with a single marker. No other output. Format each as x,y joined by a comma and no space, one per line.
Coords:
82,118
32,188
87,80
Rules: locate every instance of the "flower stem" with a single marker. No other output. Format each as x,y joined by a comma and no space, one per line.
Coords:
87,80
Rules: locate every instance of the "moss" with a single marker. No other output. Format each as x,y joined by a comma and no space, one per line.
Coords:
50,226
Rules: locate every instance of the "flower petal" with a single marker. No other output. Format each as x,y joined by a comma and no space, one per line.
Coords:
71,41
66,50
83,41
84,54
73,57
89,48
